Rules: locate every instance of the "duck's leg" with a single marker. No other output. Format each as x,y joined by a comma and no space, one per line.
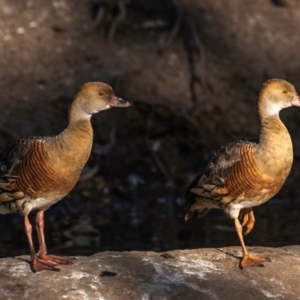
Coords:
42,253
247,260
248,220
38,264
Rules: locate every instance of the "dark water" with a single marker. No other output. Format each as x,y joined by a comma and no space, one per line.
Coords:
82,227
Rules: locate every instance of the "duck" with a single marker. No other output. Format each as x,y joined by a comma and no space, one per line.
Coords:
37,172
247,173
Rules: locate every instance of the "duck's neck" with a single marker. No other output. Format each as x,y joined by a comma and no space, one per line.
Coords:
275,149
73,145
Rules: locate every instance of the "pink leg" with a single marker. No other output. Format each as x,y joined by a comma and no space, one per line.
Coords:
37,264
248,260
42,253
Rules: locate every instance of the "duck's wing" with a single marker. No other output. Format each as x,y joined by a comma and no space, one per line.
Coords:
11,165
209,188
13,155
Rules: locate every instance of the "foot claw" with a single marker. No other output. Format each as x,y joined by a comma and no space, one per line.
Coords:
268,259
247,225
247,220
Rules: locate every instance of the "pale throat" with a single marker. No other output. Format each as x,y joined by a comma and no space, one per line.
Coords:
271,109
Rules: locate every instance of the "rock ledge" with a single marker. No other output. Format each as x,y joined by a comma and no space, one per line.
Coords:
179,274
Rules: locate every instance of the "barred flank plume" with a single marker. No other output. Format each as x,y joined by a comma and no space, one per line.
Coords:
245,176
35,173
237,179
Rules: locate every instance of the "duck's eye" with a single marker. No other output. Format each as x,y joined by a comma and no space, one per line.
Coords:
285,91
102,93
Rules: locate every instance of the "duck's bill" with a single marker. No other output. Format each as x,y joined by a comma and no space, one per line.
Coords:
296,100
118,102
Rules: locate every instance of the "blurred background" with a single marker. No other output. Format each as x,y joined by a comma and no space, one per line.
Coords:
193,69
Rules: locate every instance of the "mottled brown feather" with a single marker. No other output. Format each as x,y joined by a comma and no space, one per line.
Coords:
212,175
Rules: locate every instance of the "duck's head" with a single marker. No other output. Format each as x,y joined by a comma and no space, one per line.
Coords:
275,95
94,97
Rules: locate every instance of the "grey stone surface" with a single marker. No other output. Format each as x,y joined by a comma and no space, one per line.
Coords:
180,274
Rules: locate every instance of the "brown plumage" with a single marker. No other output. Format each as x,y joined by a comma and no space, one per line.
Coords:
245,174
37,172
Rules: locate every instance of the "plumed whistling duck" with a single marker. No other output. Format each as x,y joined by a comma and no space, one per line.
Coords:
247,173
37,172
